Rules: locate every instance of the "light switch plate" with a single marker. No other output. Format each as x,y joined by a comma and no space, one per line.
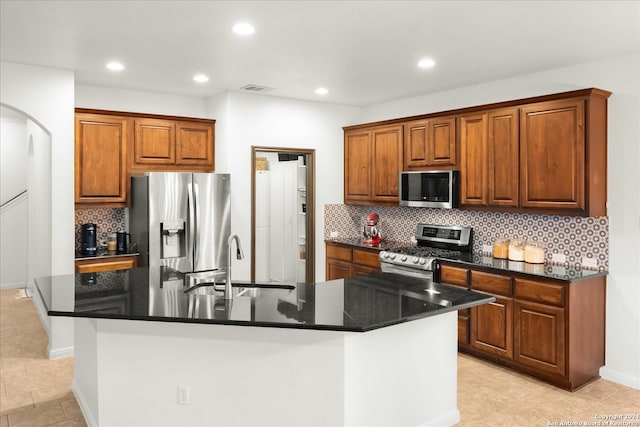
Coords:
589,262
559,258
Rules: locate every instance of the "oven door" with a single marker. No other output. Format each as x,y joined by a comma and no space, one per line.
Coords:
386,267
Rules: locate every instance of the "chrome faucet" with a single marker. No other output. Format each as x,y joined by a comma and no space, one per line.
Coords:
239,255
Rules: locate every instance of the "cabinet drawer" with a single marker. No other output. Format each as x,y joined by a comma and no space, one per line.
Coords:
105,266
453,275
492,283
543,292
338,252
372,259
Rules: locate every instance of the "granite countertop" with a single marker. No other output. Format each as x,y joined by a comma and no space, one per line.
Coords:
357,304
549,271
103,253
385,245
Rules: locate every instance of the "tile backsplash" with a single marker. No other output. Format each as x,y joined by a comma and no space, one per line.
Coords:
573,237
108,220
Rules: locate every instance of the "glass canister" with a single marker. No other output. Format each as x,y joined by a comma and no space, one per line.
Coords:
516,249
501,248
534,252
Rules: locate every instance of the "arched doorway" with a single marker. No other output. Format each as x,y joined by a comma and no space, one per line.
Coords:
25,195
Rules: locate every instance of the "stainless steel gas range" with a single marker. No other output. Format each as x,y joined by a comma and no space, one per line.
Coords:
433,242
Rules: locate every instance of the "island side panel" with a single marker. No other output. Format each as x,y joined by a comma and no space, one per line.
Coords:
236,375
405,374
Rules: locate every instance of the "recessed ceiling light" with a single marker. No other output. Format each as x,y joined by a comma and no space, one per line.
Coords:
243,29
321,91
115,66
426,63
200,78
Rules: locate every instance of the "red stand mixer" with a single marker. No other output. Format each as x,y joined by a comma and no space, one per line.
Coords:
370,232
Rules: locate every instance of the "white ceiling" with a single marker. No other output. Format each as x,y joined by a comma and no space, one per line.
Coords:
364,52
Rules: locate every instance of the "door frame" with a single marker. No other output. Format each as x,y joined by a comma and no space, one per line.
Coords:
310,217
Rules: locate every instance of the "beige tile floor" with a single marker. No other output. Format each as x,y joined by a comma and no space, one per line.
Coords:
35,391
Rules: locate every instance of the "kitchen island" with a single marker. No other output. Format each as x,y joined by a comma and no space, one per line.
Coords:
370,350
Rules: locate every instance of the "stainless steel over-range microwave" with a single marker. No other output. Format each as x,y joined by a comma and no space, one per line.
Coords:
430,189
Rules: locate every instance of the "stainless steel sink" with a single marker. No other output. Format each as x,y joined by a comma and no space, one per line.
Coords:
242,288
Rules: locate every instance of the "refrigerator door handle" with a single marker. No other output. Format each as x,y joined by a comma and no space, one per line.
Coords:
192,219
196,225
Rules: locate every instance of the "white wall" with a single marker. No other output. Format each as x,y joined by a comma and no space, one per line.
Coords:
13,215
46,96
257,120
621,76
13,154
40,202
102,98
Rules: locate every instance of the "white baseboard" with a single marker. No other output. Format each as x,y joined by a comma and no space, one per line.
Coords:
13,285
448,419
82,403
617,377
42,312
60,353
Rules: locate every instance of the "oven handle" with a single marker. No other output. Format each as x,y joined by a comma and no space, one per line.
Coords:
386,267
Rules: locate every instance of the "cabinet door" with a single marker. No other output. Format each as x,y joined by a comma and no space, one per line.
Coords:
539,336
357,165
387,162
194,144
442,141
337,269
552,155
100,159
491,327
415,145
154,142
363,270
473,159
503,157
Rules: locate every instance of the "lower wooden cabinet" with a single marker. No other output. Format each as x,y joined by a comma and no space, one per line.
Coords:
344,261
550,329
94,265
539,338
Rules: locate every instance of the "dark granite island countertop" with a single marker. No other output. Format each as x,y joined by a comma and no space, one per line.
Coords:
370,350
357,304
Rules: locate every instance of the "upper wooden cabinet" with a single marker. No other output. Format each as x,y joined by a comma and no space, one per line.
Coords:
546,154
473,157
543,157
503,154
372,164
489,151
172,145
101,159
552,147
430,144
109,145
154,142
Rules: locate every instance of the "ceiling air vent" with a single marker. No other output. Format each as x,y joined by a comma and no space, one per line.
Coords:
256,88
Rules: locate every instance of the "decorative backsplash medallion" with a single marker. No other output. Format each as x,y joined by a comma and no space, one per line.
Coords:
574,237
108,220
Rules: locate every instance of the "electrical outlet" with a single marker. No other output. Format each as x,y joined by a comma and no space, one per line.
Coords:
487,249
559,258
334,234
589,262
184,395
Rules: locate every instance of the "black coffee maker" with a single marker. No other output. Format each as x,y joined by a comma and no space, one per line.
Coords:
89,239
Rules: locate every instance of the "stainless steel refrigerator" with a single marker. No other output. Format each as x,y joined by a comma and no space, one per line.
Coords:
181,220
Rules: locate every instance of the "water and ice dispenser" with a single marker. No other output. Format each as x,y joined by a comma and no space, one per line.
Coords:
173,239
